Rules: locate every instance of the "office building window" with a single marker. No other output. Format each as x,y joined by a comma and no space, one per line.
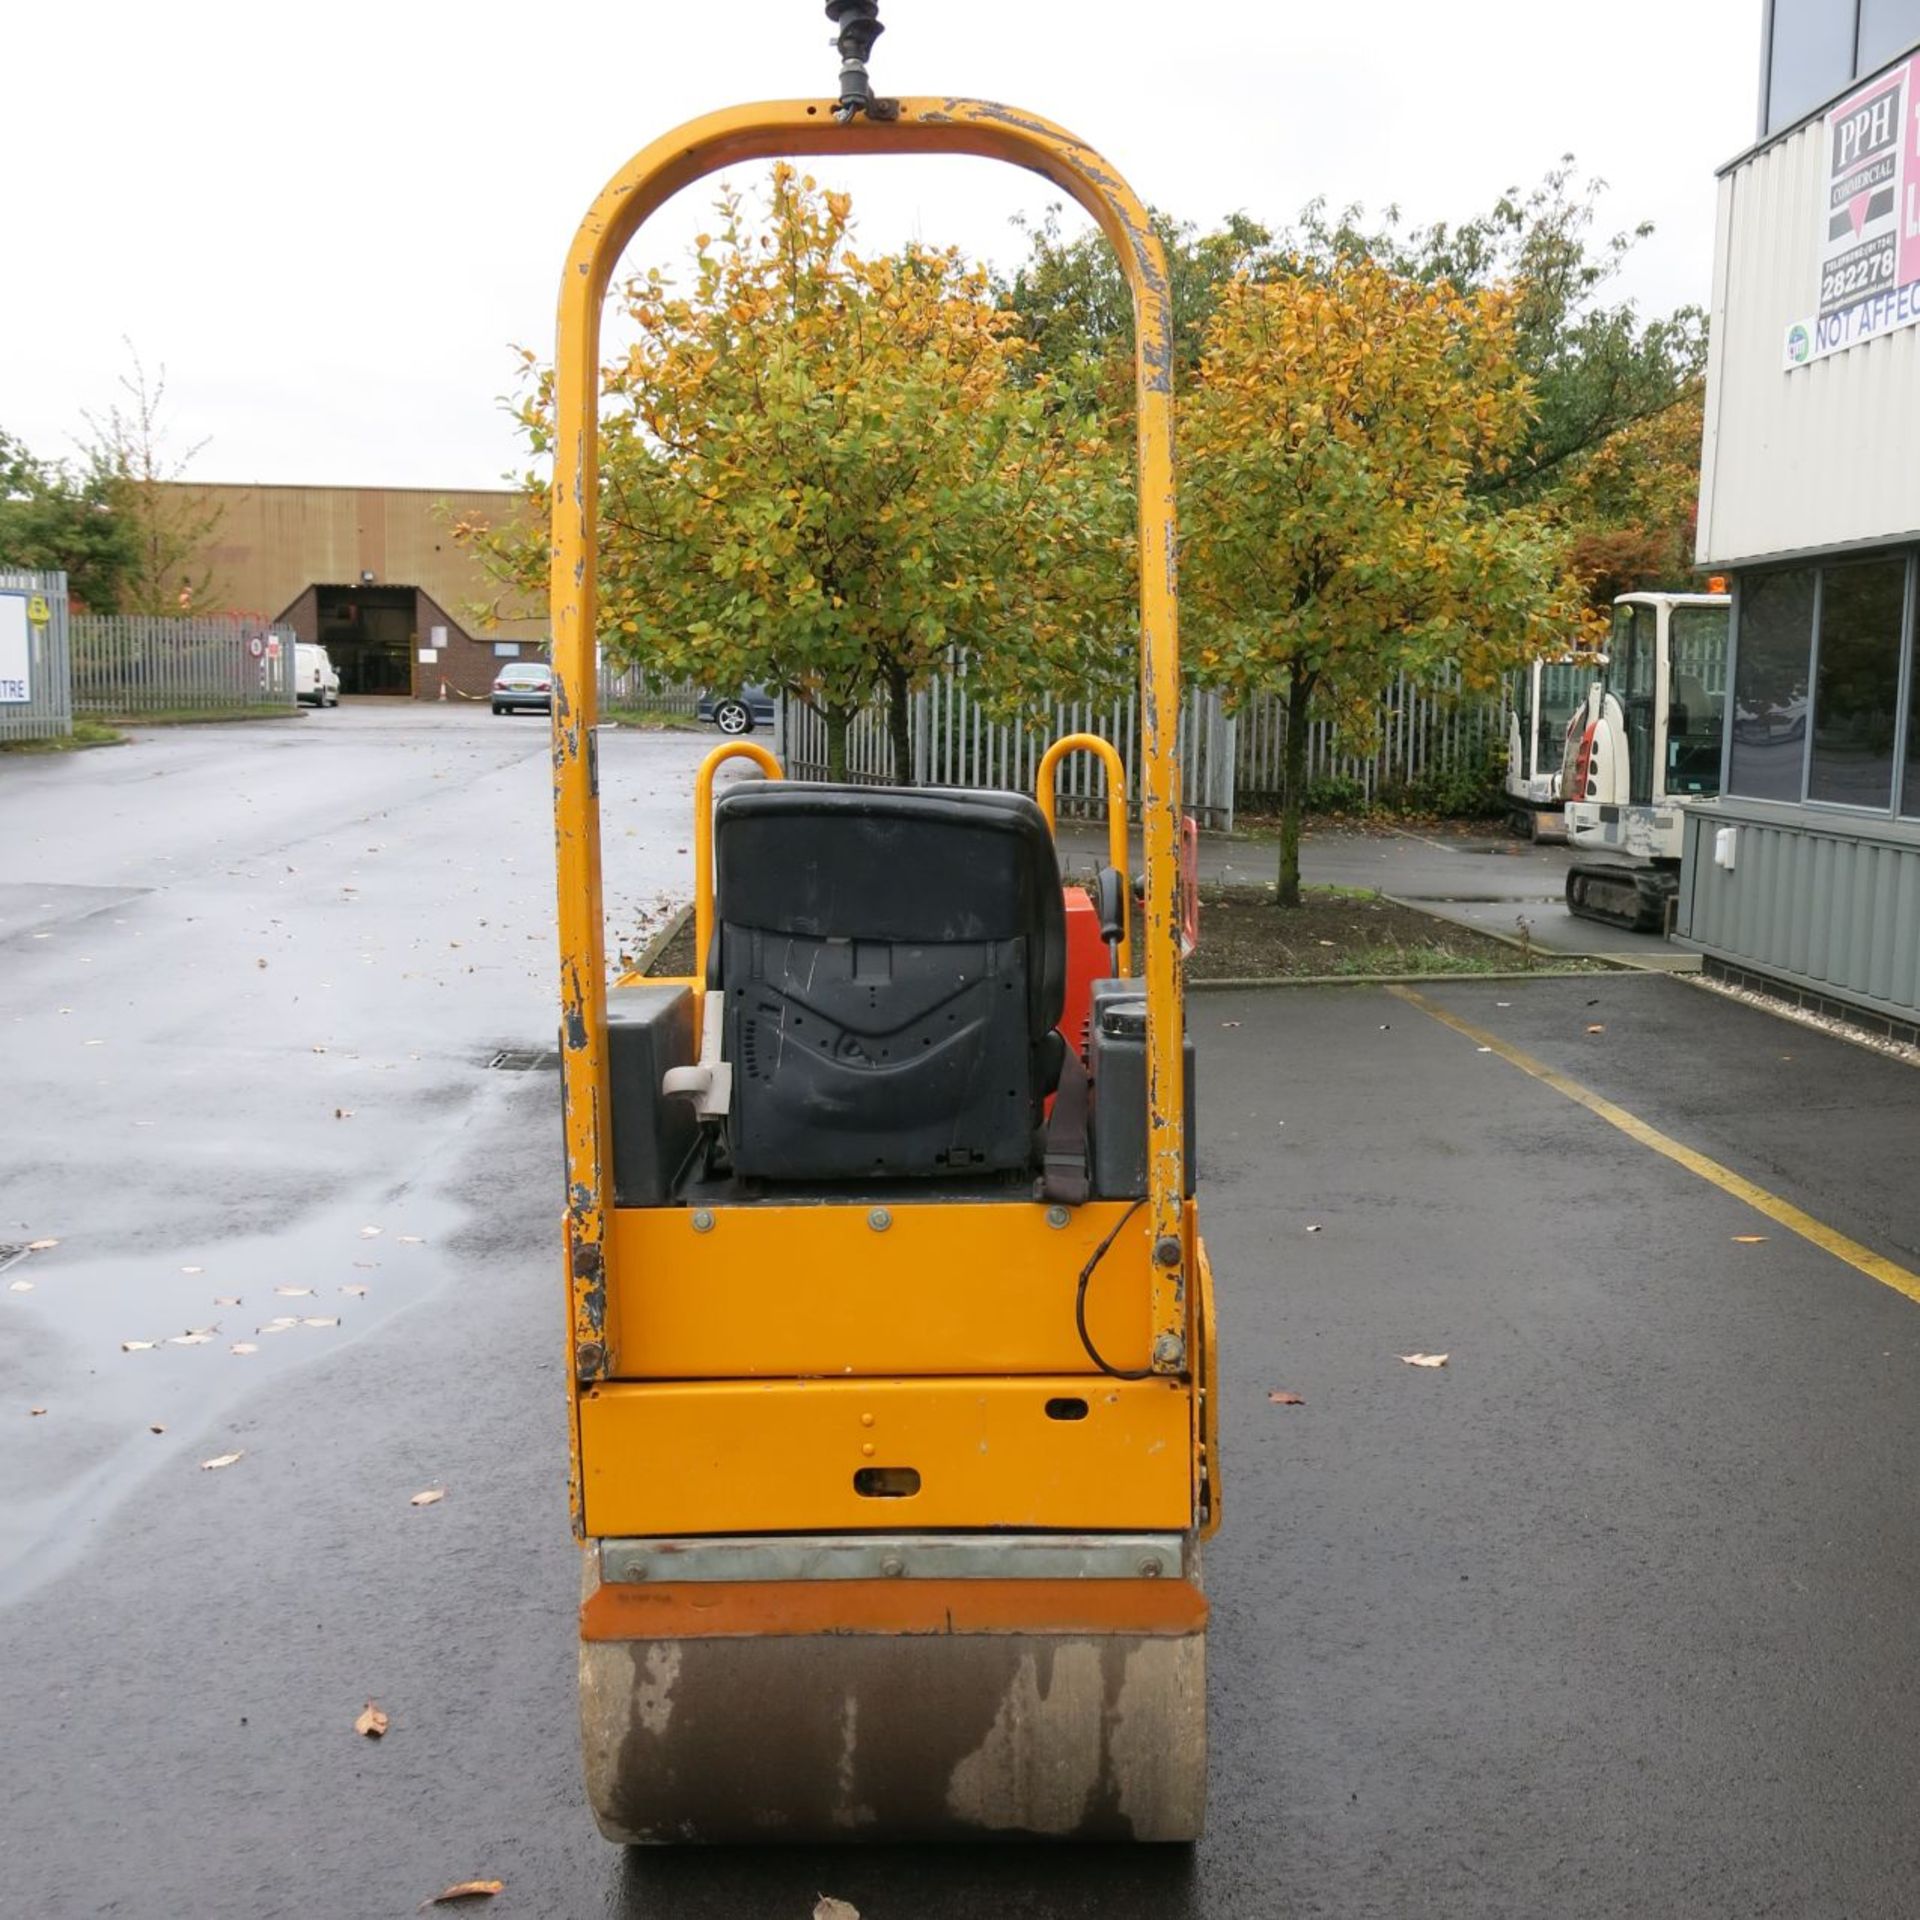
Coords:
1857,686
1773,648
1887,29
1809,57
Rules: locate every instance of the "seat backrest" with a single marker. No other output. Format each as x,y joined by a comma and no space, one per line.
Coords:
893,961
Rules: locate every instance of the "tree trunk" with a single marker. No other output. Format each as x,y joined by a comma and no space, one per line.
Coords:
1294,785
839,724
899,729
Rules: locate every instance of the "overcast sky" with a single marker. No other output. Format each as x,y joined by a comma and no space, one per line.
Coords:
330,221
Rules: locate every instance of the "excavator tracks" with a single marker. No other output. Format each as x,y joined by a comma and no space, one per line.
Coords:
1636,898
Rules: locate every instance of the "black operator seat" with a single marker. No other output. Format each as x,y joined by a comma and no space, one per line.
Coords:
893,961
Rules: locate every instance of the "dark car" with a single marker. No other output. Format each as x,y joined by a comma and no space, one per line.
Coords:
524,687
736,713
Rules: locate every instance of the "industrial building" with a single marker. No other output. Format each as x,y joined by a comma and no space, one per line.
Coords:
375,575
1805,872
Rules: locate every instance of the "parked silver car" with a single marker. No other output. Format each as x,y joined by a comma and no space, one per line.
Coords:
524,687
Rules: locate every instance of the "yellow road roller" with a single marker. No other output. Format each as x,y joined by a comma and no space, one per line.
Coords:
890,1357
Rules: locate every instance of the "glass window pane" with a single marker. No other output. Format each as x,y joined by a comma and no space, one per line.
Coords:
1563,686
1887,27
1772,648
1812,57
1853,702
1631,677
1696,699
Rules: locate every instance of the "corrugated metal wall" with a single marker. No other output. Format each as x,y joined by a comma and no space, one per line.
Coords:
1813,457
48,714
1831,906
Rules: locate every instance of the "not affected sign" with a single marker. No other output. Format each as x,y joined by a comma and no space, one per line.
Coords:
1868,220
16,651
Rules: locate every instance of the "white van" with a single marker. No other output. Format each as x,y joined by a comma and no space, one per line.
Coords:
316,682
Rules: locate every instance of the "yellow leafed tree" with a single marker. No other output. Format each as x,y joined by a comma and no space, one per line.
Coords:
1330,537
819,472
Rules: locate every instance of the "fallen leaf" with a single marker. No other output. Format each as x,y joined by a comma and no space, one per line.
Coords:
372,1722
243,1346
470,1890
20,1286
1595,1027
220,1460
1425,1359
137,1346
431,1497
1748,1239
1280,1399
828,1908
355,1288
293,1293
41,1246
319,1320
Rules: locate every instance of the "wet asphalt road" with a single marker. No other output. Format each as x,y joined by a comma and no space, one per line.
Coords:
1614,1614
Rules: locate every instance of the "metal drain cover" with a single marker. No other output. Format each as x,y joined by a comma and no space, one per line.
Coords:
524,1060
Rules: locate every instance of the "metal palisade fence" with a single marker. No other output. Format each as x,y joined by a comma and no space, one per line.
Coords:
1229,762
1422,730
128,664
630,687
33,657
956,744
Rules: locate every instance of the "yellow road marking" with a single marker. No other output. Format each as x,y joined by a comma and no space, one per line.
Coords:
1828,1239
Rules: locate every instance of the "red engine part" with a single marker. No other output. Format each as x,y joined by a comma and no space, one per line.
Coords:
1087,961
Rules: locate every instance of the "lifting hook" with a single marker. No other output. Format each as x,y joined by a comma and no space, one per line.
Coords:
860,26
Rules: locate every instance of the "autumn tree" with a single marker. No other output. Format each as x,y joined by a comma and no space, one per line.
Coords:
1330,531
57,518
1612,447
827,473
170,527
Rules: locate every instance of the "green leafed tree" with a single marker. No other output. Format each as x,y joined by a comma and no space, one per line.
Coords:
832,474
54,518
1332,536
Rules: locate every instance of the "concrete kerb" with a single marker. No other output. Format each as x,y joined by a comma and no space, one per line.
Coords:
1615,962
663,939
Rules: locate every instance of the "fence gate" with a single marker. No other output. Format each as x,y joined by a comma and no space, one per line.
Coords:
36,690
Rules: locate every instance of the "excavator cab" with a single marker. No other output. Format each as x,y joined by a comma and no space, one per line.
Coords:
890,1340
1649,736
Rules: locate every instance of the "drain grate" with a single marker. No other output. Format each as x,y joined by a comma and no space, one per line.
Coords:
524,1060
